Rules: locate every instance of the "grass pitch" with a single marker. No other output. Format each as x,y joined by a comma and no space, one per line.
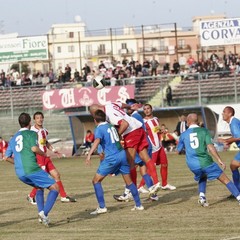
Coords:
176,215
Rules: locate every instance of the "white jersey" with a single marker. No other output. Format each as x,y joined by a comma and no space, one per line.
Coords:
152,127
42,137
115,115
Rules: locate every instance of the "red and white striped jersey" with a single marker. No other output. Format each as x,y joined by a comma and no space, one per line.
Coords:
115,114
153,131
42,137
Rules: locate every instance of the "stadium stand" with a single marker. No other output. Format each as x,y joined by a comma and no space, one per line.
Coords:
212,90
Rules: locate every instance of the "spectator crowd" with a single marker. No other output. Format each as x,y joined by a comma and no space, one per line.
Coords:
114,71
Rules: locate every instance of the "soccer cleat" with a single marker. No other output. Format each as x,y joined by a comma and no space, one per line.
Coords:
154,197
99,211
154,189
168,187
68,199
142,190
43,219
31,200
139,208
203,201
123,198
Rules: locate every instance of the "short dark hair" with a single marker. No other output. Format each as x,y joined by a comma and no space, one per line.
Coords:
147,104
131,101
231,110
100,116
38,113
24,120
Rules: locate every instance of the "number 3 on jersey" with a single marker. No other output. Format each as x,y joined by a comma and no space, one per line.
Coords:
19,143
194,142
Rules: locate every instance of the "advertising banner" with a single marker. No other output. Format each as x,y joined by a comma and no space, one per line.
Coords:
220,32
85,96
24,49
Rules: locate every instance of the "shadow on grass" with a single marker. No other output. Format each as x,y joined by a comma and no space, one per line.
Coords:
13,222
181,194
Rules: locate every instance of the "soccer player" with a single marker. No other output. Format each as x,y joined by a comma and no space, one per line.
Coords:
114,162
134,138
3,146
45,162
197,141
234,123
133,112
23,145
158,153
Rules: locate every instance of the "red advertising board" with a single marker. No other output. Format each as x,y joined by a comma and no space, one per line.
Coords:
85,96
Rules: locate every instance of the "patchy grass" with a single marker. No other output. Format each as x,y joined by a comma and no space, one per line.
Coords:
175,216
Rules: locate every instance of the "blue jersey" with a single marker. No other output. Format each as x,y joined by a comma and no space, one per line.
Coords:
109,138
195,141
20,146
235,129
139,117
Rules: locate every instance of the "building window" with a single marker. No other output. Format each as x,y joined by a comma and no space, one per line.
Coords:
71,48
162,45
101,49
71,35
181,43
124,46
89,50
59,50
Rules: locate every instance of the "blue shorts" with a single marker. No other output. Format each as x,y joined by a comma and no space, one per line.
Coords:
114,164
212,172
237,157
40,179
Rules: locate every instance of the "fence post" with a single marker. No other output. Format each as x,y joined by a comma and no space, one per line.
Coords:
235,87
199,90
11,102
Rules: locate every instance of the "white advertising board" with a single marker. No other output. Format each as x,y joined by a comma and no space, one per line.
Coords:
220,32
24,48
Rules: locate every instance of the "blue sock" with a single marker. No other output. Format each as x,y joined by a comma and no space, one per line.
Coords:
232,188
202,184
235,177
99,194
135,194
40,199
51,199
148,180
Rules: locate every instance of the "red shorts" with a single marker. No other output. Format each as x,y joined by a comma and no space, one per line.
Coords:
45,163
136,139
160,157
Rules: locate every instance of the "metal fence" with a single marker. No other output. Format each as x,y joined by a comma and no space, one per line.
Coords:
187,90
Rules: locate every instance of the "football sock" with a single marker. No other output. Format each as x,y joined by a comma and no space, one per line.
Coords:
33,192
40,199
99,194
232,188
148,180
133,173
51,199
235,177
142,183
202,185
61,189
152,170
164,174
135,194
